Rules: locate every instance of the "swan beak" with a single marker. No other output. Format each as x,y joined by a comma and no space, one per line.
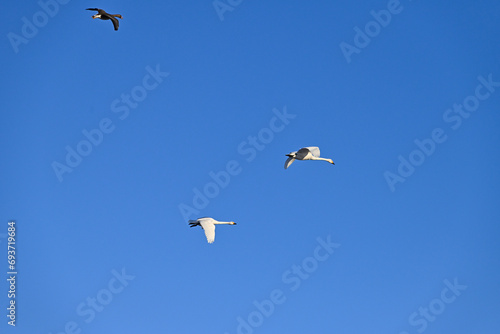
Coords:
233,223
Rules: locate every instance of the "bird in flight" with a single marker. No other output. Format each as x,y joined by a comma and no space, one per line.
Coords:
305,153
101,14
208,225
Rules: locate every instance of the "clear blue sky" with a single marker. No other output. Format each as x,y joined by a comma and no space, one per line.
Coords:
403,96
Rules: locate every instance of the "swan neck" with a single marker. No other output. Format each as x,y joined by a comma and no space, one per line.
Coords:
221,223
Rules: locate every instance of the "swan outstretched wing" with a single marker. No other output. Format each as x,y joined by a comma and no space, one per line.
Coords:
209,229
288,162
302,153
314,150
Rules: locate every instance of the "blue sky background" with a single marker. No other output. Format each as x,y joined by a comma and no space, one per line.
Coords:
119,208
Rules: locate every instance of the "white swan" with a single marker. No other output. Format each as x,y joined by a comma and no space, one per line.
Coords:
305,153
208,224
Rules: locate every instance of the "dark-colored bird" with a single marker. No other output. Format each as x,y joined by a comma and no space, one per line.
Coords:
101,14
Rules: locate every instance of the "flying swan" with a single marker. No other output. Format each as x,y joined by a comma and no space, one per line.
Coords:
305,153
101,14
208,224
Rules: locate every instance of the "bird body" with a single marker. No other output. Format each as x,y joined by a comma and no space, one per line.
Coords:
305,153
101,14
208,225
